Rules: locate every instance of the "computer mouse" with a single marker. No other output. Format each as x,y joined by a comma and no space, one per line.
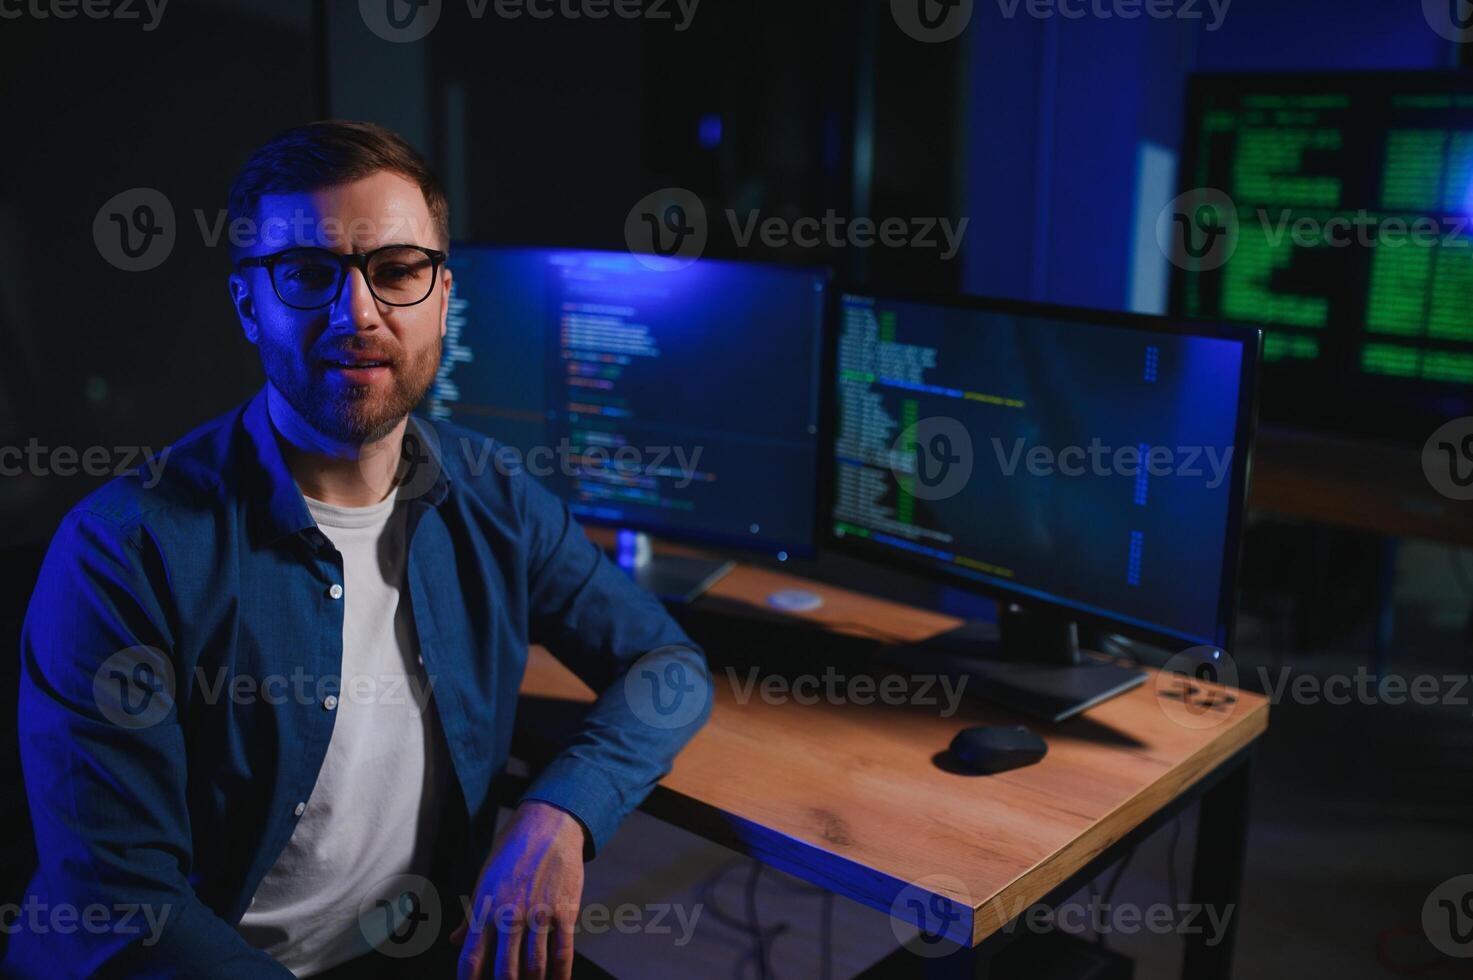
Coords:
997,749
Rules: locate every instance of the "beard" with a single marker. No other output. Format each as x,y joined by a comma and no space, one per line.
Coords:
350,413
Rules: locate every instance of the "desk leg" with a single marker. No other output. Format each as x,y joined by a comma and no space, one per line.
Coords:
1217,873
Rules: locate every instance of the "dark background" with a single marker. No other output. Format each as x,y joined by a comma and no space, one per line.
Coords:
1053,136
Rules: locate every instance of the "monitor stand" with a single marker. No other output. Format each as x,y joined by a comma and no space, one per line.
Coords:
1027,662
673,579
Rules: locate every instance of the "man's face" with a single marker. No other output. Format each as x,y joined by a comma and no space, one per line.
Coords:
303,352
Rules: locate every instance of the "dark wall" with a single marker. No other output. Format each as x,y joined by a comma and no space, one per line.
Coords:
1074,127
92,355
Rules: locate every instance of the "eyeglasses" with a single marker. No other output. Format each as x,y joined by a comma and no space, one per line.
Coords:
311,278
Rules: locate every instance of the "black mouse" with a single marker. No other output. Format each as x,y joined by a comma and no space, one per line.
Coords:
995,749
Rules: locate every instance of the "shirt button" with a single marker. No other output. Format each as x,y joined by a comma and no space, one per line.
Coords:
336,591
301,809
330,702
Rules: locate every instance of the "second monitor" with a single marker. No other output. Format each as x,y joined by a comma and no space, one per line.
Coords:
1078,465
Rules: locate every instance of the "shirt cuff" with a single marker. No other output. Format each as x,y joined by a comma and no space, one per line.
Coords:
583,790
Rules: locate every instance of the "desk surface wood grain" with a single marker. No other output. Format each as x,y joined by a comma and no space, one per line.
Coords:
855,796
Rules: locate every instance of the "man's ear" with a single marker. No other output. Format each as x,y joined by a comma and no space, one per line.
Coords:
245,306
445,279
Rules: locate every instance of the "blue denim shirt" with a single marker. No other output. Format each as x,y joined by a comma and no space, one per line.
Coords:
156,788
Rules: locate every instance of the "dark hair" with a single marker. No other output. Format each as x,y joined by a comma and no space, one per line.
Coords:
334,151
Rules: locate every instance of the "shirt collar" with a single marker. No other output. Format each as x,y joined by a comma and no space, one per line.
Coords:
277,506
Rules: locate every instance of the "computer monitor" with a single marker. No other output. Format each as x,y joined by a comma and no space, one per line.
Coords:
1334,210
1080,466
679,400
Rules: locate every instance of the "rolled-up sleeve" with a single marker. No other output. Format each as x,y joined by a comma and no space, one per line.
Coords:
104,759
652,683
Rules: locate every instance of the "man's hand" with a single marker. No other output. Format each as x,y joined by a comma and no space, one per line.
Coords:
527,899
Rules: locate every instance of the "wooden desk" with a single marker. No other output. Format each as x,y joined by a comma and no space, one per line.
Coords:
851,797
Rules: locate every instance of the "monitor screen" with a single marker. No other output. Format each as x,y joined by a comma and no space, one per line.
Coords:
1090,466
1335,211
680,401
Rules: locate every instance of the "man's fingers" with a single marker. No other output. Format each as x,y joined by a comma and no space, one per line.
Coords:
534,952
508,952
472,962
560,948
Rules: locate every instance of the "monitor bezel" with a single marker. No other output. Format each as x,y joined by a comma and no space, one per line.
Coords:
1245,433
770,547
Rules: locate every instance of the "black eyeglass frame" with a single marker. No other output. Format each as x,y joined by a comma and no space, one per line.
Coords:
348,262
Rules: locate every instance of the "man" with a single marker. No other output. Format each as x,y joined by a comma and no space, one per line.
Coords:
206,767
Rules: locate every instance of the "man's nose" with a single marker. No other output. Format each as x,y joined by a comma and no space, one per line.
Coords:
355,309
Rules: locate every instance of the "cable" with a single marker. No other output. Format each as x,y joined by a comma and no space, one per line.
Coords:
1110,889
762,938
1171,868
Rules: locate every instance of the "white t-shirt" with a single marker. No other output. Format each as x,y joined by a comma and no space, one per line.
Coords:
373,811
